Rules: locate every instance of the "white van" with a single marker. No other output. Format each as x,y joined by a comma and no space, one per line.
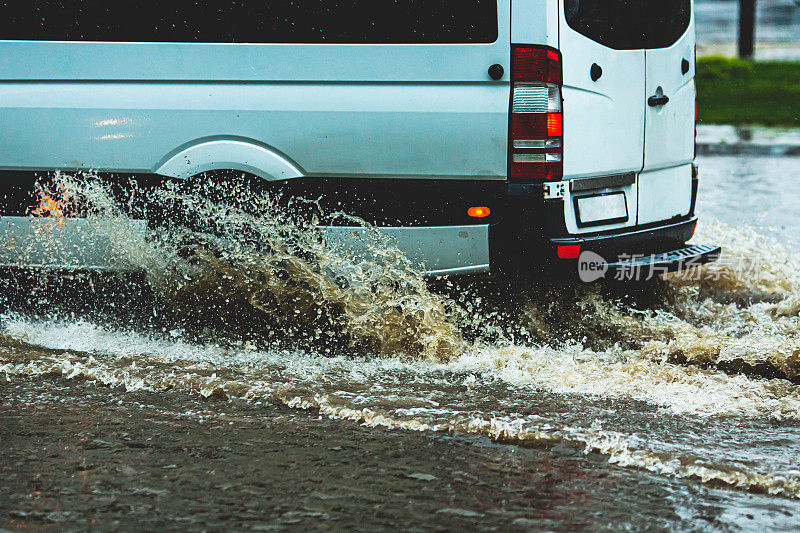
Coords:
479,134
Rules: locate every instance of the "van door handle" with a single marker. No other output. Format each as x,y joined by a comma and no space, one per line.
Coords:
657,100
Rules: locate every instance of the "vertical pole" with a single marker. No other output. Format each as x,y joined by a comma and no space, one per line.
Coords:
747,28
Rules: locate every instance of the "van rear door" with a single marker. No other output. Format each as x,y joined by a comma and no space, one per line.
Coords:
603,110
628,101
665,184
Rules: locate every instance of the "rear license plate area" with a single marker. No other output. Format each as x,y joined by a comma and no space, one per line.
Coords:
600,209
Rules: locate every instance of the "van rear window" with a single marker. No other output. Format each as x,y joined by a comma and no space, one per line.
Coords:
629,24
251,21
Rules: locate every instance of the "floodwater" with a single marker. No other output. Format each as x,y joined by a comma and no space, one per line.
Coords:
757,192
241,386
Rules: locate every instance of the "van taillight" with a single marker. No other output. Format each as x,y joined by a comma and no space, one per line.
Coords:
535,145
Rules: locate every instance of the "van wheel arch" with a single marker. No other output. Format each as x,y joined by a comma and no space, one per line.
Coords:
243,155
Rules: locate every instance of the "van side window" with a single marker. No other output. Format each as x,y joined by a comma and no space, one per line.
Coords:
629,24
251,21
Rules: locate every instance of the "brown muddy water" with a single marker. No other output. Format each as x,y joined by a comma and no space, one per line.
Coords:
256,377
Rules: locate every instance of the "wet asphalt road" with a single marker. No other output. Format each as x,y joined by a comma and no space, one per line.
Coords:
81,458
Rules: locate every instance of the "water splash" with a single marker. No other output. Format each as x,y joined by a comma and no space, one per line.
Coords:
678,376
740,315
239,259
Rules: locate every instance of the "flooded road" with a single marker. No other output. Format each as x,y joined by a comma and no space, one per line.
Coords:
301,388
757,192
108,459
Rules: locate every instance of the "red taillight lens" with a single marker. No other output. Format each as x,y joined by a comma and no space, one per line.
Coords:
535,145
535,126
533,65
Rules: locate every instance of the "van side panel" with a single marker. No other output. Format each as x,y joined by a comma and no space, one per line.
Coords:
400,110
105,61
352,129
534,22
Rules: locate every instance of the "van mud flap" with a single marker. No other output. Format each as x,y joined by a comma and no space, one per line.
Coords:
640,267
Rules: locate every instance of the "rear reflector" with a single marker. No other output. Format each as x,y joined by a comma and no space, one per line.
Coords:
570,251
535,145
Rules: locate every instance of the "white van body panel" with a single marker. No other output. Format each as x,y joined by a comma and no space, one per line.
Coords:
609,128
669,137
399,110
665,184
438,250
255,62
400,130
665,193
74,243
534,22
603,120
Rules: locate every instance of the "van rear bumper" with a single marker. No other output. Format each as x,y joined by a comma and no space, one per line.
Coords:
639,254
660,236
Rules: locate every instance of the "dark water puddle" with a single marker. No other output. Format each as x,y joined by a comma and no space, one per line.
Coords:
79,456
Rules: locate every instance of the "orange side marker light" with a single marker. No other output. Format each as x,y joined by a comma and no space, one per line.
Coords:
478,212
